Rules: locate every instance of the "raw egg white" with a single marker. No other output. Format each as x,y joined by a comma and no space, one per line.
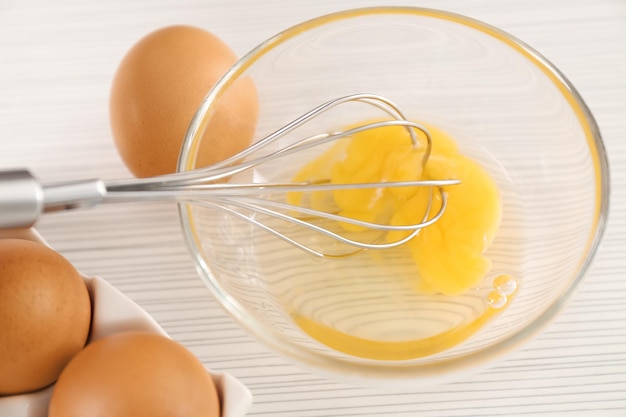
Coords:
135,374
45,314
156,90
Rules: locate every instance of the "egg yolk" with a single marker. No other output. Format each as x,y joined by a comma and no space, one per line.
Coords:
449,254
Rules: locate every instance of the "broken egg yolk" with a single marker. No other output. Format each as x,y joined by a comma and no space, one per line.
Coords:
449,254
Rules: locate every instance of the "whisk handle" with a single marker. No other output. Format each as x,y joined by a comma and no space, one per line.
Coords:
23,199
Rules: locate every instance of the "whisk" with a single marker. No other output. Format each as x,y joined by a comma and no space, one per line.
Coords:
23,198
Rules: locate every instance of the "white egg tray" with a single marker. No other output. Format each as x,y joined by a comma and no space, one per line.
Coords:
113,312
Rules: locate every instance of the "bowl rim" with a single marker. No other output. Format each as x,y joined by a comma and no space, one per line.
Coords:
399,372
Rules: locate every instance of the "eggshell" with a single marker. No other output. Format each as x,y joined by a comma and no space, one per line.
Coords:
134,374
45,315
156,90
114,312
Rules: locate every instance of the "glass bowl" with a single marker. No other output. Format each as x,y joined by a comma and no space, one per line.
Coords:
359,318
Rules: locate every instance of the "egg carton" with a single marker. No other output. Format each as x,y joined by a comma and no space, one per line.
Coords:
113,312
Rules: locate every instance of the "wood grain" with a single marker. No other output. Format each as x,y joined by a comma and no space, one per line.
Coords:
56,62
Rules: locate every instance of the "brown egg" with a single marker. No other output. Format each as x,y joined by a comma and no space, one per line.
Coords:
156,90
45,313
135,374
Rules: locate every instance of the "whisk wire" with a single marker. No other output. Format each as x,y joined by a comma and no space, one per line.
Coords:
259,207
234,164
203,187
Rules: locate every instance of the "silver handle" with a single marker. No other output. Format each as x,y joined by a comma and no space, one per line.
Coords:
23,198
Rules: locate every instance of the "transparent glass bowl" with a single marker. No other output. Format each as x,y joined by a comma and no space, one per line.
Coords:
506,106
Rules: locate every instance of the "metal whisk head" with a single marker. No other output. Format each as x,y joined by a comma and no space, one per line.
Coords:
248,201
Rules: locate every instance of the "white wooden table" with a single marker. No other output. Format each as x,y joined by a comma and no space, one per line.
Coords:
57,58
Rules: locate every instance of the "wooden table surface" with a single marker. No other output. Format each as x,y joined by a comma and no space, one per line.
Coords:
57,58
